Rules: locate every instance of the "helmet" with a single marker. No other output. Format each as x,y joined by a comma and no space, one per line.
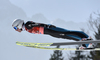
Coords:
18,23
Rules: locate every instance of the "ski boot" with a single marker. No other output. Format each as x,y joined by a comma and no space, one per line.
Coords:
81,47
86,39
86,46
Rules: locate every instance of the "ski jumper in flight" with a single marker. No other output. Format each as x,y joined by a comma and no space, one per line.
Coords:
40,28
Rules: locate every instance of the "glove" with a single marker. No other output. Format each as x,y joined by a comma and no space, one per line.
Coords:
35,25
50,26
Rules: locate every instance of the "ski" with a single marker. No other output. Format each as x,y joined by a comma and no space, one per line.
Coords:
74,49
55,44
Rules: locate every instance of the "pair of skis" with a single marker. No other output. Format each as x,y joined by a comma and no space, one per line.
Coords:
40,45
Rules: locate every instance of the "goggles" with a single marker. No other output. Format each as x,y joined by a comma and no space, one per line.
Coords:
15,28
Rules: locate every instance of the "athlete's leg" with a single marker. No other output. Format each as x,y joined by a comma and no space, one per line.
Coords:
63,33
66,34
78,35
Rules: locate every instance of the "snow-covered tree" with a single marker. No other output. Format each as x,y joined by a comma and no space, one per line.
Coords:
57,55
95,26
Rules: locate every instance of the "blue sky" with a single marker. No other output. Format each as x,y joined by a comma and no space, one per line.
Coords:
69,10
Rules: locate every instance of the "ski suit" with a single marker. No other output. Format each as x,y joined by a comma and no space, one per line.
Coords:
40,28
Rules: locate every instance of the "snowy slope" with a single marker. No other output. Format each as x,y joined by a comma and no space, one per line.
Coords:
8,36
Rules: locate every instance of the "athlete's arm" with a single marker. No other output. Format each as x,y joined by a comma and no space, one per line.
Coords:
30,25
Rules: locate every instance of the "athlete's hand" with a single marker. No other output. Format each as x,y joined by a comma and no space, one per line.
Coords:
51,26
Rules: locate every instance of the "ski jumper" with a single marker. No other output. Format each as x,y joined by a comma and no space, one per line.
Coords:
39,28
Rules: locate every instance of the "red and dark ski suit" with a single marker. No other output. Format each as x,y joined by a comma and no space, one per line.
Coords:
39,28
